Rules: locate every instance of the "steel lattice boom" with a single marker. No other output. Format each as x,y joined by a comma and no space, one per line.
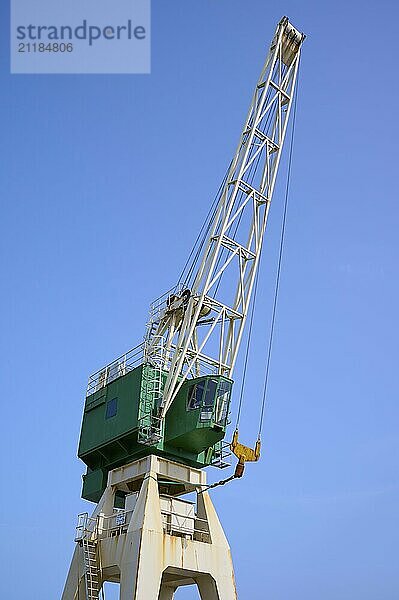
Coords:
199,328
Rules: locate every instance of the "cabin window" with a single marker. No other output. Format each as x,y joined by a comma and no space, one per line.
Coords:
195,394
222,402
209,400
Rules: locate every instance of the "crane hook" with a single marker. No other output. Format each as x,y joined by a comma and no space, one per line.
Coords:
244,453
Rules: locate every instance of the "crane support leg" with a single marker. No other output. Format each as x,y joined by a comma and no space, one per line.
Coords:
167,593
75,583
159,541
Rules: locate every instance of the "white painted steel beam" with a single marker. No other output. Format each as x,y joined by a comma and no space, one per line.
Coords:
151,553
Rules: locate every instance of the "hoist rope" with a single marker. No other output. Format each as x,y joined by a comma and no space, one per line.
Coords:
280,256
243,379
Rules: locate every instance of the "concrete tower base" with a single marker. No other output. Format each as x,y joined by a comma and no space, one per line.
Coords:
158,543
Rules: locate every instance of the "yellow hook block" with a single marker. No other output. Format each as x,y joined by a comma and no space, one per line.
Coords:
244,453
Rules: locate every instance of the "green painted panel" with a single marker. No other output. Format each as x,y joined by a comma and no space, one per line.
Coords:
195,422
100,424
94,483
198,416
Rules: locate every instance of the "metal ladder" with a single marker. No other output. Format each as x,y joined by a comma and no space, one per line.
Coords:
150,426
221,455
92,580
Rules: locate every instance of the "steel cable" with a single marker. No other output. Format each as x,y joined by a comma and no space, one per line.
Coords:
277,284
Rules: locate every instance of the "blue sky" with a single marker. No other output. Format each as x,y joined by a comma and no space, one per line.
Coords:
105,182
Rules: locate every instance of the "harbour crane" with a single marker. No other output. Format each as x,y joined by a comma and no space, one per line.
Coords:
157,415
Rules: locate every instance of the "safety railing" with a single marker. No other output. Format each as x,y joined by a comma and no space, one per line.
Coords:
93,528
174,523
114,524
152,351
222,455
136,356
183,525
117,368
158,306
86,527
